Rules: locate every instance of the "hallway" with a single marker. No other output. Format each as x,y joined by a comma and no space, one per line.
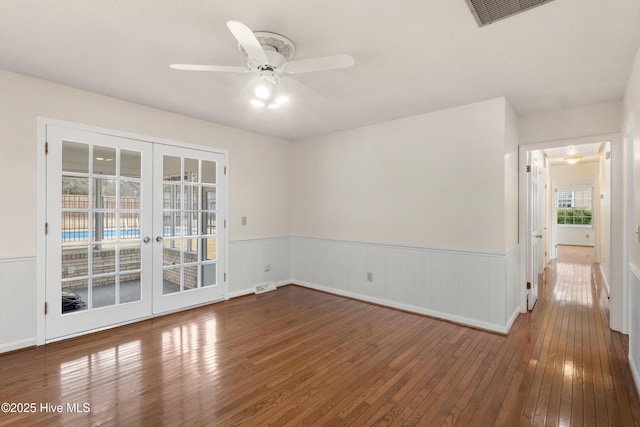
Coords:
578,372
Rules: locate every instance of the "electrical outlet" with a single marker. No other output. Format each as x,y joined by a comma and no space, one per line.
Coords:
587,236
244,220
267,268
369,277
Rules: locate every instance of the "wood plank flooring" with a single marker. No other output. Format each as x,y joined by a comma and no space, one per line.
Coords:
300,357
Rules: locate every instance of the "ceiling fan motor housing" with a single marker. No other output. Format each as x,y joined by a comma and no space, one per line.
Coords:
278,49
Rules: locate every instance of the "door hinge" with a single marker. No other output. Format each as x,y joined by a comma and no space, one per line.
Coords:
225,170
46,228
225,277
528,285
225,223
46,148
46,308
528,168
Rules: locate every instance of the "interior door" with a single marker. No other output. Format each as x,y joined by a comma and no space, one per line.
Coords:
535,233
98,214
189,228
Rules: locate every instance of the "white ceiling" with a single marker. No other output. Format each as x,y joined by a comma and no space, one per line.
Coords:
586,153
412,56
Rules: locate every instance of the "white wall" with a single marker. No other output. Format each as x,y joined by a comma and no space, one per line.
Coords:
605,215
427,204
434,180
259,177
597,119
632,112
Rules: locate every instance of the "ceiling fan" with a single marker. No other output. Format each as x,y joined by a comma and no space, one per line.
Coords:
269,55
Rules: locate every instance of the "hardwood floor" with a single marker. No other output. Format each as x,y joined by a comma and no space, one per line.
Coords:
301,357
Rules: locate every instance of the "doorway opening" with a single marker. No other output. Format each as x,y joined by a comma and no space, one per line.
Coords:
565,200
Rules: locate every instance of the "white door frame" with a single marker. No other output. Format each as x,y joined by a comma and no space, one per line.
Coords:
616,218
41,202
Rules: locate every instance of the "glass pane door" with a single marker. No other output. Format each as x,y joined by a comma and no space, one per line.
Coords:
188,230
98,196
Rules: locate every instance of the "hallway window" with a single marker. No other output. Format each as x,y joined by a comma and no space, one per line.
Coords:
575,206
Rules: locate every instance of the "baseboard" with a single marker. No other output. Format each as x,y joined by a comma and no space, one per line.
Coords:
634,373
409,308
17,345
604,279
512,319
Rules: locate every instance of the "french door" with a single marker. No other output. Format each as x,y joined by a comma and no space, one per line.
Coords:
132,230
187,228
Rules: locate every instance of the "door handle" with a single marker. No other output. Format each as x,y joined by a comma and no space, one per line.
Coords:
159,239
539,236
146,239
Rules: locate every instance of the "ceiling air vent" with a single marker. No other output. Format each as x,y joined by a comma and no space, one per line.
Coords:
489,11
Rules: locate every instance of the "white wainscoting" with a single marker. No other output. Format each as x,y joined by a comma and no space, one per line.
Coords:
247,261
634,334
473,288
18,302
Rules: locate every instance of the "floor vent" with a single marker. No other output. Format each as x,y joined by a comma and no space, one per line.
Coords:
265,287
489,11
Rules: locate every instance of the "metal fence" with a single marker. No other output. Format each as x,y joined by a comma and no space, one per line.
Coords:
76,211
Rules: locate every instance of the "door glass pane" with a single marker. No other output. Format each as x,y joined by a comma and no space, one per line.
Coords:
209,223
75,192
74,296
192,228
209,274
129,194
75,261
190,249
75,157
130,288
104,193
129,226
208,246
191,170
171,280
104,224
130,164
103,291
130,257
103,259
171,254
191,196
209,198
75,227
172,196
191,277
104,160
172,225
208,172
171,168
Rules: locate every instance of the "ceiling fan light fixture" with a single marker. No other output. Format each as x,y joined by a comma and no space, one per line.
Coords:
257,103
273,105
262,91
573,160
282,99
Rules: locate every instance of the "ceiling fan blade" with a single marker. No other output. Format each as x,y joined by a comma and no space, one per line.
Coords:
221,68
248,41
294,86
319,64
